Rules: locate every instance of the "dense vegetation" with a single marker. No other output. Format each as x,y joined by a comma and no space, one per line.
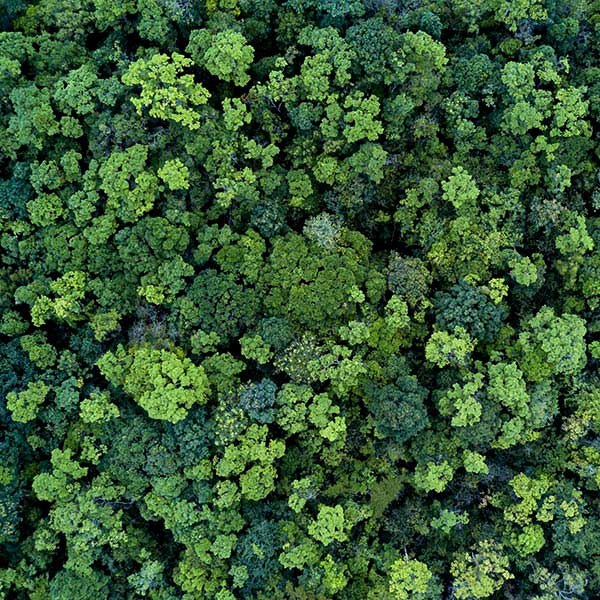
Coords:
299,299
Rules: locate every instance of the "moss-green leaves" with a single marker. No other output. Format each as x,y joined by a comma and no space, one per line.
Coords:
163,383
166,91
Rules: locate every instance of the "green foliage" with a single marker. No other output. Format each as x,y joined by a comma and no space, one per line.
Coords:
329,525
399,410
98,408
480,573
409,278
410,578
299,300
130,189
24,406
225,54
471,308
475,463
443,348
33,118
449,519
167,92
175,174
460,189
553,345
160,381
523,270
462,403
360,118
433,477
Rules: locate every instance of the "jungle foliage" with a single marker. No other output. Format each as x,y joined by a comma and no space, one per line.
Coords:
300,299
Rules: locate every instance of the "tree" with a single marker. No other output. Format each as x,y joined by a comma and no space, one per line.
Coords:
224,54
130,189
553,345
329,525
167,92
258,400
480,573
409,278
445,349
410,578
24,406
468,307
399,410
76,92
462,402
432,477
33,119
160,381
175,174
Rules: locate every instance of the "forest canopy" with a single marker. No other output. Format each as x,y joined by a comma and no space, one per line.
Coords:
299,299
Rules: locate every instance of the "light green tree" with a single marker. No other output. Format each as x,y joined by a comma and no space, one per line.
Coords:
481,572
162,382
166,91
411,579
225,54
